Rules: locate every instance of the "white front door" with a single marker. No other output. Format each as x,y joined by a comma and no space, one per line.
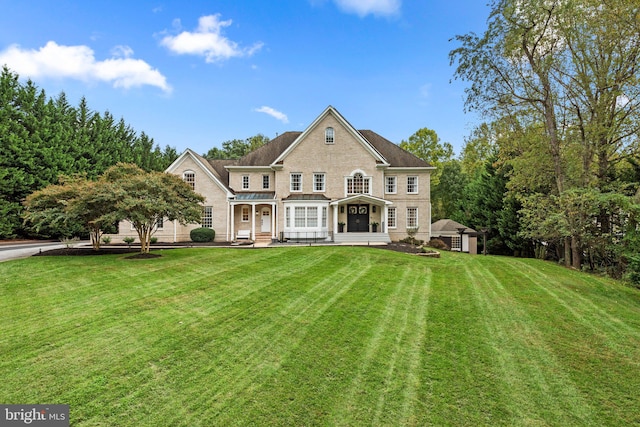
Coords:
265,221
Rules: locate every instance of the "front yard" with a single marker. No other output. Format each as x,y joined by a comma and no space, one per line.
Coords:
318,336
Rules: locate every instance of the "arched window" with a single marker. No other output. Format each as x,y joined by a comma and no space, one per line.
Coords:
328,136
190,178
358,184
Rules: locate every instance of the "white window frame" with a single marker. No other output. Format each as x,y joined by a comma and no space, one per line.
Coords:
190,178
245,214
304,216
207,217
323,182
323,224
410,217
414,184
456,243
392,217
287,217
245,182
391,182
329,136
266,182
291,182
160,224
350,183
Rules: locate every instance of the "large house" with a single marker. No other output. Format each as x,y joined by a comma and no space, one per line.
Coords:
328,183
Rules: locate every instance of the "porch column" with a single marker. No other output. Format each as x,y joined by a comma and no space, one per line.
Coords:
233,222
335,219
385,219
253,221
273,220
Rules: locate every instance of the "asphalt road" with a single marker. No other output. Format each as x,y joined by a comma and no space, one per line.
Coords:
25,250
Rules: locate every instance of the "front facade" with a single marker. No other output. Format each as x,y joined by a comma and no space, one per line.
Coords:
328,183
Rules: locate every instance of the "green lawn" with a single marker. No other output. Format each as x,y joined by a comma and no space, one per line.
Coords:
318,336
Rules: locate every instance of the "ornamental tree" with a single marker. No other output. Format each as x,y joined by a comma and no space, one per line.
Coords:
74,203
147,198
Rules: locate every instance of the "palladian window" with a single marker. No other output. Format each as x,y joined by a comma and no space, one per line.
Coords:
358,184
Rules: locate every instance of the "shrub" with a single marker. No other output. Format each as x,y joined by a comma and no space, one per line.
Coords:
412,241
153,240
202,234
438,244
106,240
70,242
129,240
633,270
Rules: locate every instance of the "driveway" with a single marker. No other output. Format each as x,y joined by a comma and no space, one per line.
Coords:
24,250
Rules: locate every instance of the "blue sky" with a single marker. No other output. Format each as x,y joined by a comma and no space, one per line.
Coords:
192,74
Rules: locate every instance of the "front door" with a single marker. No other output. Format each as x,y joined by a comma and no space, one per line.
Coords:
358,218
265,226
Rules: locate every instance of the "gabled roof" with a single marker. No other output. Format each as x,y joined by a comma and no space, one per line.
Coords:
385,151
268,153
449,226
332,111
205,165
393,154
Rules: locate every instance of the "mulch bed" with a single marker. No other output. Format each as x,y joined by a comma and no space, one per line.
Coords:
123,249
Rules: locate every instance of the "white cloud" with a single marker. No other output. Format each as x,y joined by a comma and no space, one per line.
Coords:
207,40
273,113
121,51
373,7
79,62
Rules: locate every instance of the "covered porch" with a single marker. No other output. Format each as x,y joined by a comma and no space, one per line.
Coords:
253,215
360,218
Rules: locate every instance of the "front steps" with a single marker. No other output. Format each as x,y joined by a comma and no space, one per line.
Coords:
361,238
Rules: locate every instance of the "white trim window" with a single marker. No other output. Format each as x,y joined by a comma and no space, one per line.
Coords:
244,217
391,218
358,184
287,216
412,185
295,182
266,182
456,243
160,224
324,217
306,217
319,185
207,217
190,178
329,136
390,184
245,182
300,217
412,217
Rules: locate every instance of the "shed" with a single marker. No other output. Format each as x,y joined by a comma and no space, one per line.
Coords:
457,236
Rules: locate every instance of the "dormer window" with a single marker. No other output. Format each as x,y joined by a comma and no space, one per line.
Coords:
328,136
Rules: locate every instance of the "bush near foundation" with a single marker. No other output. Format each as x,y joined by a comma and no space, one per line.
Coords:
202,234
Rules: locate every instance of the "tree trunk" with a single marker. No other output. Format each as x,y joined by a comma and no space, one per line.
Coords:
567,252
576,252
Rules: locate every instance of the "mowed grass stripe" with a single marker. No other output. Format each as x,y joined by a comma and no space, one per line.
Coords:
387,320
570,296
260,349
585,336
544,388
